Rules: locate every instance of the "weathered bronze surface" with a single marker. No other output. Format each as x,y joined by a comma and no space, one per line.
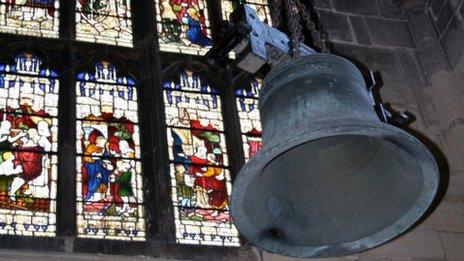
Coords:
331,179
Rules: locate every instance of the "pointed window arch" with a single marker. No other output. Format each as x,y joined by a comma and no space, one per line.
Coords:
109,175
106,22
36,18
28,147
199,168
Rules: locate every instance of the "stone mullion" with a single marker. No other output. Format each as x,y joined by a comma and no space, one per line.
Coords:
66,183
66,187
67,19
159,213
232,126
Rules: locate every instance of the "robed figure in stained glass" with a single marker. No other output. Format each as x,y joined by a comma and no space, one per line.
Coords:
95,170
184,23
24,164
110,198
122,179
108,169
202,169
28,145
199,167
195,32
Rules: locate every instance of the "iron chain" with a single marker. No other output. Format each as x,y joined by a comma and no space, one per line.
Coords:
311,26
276,7
295,12
296,30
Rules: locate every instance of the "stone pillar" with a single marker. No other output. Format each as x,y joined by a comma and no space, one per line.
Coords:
423,33
440,99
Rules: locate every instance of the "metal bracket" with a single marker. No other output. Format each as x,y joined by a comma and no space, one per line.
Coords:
384,111
255,43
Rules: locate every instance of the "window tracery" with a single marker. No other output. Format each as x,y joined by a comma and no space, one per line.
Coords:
200,177
109,174
109,192
28,147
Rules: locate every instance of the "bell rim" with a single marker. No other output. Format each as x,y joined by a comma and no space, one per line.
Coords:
346,127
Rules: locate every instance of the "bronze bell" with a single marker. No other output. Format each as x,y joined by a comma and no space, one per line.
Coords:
331,179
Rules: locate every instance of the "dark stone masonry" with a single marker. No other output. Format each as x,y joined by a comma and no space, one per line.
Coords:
417,46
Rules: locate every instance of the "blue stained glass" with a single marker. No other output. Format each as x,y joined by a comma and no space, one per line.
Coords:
250,123
28,147
109,175
199,172
183,26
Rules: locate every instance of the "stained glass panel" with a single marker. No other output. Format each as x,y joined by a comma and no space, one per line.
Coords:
30,17
250,123
28,147
260,6
183,26
104,21
109,175
200,178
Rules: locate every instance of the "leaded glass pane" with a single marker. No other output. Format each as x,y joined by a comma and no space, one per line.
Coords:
260,6
30,17
109,174
104,21
28,148
183,26
250,123
200,177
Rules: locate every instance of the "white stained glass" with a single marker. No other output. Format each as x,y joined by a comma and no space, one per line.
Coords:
201,183
35,18
109,188
183,26
250,121
104,21
28,144
260,6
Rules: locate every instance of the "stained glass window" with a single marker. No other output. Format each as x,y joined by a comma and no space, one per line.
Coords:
104,21
250,123
200,177
260,6
28,147
30,17
183,26
109,175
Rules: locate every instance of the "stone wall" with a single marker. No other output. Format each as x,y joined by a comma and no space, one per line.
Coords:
418,48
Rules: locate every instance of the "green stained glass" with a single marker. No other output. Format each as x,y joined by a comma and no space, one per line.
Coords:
183,26
199,168
104,21
28,147
109,174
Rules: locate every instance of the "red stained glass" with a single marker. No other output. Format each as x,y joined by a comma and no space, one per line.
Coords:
200,178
